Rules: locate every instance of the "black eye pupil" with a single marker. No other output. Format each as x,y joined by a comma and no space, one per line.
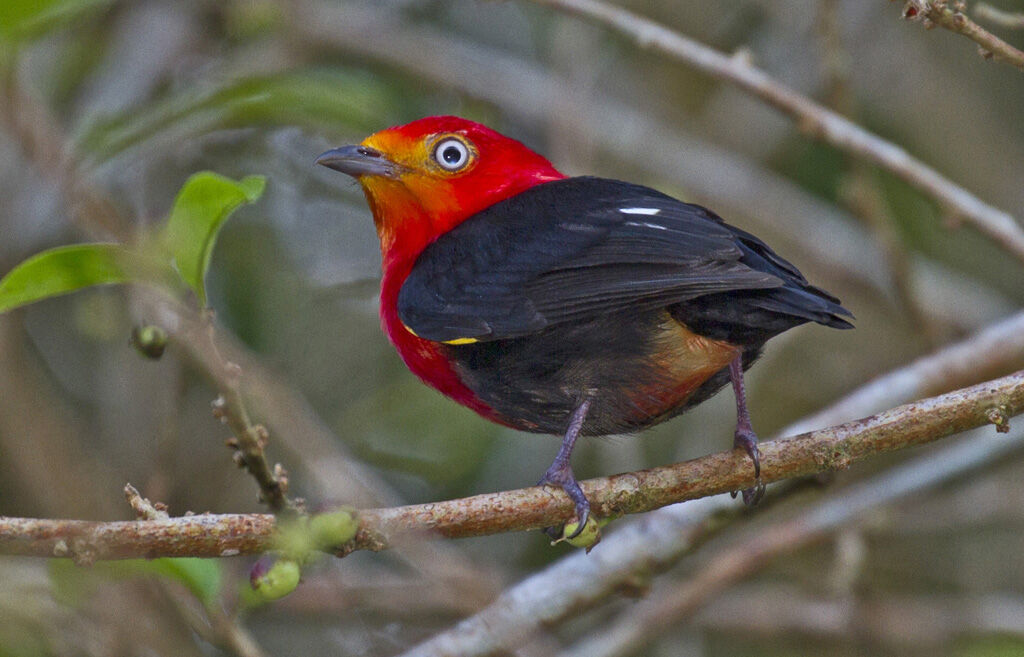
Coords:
451,155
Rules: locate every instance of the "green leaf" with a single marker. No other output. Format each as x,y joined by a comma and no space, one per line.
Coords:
62,270
205,201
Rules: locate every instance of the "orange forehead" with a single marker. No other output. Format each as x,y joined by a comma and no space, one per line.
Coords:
411,151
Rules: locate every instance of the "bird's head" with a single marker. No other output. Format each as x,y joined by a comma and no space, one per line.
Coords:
424,178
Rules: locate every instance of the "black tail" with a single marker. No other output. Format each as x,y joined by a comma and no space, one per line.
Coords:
751,317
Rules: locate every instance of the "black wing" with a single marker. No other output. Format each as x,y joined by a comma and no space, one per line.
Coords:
573,249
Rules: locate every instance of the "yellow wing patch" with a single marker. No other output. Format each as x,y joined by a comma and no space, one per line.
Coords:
456,341
461,341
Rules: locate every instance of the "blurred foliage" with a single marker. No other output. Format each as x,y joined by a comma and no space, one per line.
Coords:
185,243
133,98
73,584
23,20
314,99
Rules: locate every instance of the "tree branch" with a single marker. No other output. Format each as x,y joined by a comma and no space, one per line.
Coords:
86,541
640,548
758,547
993,402
248,439
666,535
938,12
812,118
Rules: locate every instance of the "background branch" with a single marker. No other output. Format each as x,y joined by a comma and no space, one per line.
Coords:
812,119
533,508
631,554
636,548
992,350
938,12
737,186
757,547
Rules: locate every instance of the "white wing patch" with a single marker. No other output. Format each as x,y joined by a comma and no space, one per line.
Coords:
650,212
645,224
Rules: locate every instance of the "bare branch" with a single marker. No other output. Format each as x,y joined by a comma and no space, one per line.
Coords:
938,12
757,548
812,118
637,546
86,541
581,580
532,508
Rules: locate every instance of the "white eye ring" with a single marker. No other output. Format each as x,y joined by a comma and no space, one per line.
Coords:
451,154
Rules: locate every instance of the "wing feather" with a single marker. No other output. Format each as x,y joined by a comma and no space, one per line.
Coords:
565,251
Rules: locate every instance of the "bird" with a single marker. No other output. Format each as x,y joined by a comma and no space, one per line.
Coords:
573,306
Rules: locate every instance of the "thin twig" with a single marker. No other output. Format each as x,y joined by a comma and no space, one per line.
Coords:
1008,19
993,402
938,12
45,145
248,439
210,622
331,471
812,118
144,509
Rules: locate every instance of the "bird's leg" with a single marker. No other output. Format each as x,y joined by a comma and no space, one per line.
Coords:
560,472
745,436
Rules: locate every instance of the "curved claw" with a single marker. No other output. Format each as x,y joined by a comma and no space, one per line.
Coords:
752,496
747,439
563,478
560,472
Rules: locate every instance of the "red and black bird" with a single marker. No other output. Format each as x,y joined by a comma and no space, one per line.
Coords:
570,306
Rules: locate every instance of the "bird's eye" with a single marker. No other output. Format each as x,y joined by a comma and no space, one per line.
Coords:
452,154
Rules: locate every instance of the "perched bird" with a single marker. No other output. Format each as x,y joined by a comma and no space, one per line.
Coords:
569,306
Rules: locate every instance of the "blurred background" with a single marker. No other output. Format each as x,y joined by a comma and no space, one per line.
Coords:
108,106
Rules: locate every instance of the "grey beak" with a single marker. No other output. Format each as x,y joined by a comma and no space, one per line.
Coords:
359,161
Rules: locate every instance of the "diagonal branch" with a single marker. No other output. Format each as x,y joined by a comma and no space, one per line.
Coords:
759,546
829,449
993,402
812,118
991,351
668,534
938,12
636,551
